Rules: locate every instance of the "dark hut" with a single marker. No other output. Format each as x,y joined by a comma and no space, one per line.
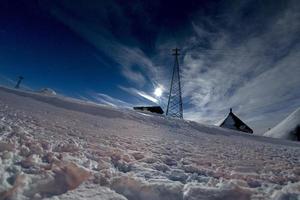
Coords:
153,109
233,122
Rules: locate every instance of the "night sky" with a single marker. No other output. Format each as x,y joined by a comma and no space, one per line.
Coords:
234,53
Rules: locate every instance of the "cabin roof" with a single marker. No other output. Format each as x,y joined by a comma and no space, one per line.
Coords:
235,123
153,109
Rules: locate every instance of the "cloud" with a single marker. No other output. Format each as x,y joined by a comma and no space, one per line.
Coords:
134,76
146,96
108,100
257,73
133,63
139,93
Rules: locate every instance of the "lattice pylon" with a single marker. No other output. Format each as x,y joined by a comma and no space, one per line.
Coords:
174,107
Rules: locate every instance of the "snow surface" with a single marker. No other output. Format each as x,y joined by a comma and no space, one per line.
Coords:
47,91
53,148
287,128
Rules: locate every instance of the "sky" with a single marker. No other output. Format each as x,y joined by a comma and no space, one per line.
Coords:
240,54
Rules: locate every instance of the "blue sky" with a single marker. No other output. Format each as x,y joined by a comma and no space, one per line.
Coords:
239,54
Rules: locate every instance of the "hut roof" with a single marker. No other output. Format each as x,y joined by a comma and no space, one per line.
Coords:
233,122
153,109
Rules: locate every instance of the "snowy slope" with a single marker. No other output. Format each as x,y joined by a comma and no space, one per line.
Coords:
287,128
53,147
47,91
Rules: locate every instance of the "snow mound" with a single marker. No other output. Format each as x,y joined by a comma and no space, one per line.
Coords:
89,192
137,188
288,129
47,91
224,191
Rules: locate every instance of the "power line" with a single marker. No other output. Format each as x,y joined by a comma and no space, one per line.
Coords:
222,52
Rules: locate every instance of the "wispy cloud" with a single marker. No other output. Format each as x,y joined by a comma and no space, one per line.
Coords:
146,96
139,93
256,75
107,100
133,63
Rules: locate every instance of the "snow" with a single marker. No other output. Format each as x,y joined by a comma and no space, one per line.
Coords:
287,128
53,147
89,192
47,91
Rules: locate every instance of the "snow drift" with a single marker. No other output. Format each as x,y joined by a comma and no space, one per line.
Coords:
52,147
288,129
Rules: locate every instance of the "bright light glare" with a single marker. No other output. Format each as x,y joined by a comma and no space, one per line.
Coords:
158,91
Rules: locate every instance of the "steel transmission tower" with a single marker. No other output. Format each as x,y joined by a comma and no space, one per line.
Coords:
174,107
